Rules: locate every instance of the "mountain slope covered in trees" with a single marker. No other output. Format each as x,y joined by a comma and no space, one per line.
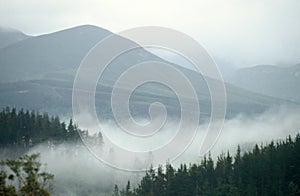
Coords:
25,129
267,170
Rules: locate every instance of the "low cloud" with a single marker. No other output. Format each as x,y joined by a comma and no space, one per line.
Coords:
79,172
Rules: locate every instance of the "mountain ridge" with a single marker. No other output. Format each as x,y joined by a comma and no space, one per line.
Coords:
9,36
52,60
271,80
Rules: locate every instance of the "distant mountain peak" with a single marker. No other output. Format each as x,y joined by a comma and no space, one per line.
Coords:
82,29
88,26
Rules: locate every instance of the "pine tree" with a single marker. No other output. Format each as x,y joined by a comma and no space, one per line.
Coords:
266,170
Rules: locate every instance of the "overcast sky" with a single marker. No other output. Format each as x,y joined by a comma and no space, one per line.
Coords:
242,32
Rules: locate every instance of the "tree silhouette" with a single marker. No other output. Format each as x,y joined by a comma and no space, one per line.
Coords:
266,170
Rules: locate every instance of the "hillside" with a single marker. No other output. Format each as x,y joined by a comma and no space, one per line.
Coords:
40,56
10,36
268,170
280,82
38,73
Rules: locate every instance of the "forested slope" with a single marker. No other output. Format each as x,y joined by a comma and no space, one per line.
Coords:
26,128
268,170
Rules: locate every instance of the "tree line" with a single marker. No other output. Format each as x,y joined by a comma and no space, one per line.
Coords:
26,128
266,170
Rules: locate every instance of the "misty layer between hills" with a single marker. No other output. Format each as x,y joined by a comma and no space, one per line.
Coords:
77,171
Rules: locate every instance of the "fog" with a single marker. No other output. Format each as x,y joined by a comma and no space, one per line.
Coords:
244,130
77,171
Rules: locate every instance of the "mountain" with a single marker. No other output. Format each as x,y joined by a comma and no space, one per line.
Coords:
10,36
226,68
38,73
37,57
275,81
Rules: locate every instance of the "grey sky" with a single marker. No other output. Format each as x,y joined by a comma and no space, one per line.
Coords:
242,32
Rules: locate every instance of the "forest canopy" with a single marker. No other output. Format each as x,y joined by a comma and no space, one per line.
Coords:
266,170
26,128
